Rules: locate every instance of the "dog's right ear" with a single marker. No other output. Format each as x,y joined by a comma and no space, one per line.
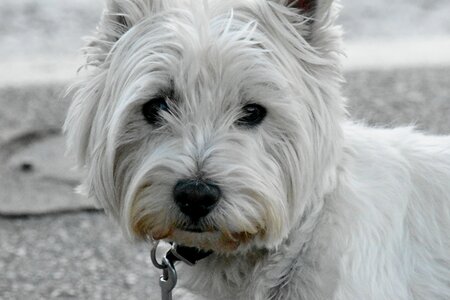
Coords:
118,17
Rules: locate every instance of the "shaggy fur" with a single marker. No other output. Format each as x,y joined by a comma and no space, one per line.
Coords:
313,206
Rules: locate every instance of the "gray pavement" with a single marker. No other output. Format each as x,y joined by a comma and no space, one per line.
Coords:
73,256
36,175
419,97
82,255
79,256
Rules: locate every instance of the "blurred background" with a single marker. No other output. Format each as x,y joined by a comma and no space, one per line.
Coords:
56,245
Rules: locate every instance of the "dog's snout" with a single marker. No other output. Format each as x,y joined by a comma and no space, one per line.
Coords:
196,198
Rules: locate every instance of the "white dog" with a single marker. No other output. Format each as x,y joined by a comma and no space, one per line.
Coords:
220,125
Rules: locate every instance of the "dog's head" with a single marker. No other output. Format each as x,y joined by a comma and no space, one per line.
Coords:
210,123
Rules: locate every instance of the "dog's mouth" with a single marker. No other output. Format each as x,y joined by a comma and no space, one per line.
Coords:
204,239
195,228
198,235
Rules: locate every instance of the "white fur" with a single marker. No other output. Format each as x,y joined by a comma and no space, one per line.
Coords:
313,206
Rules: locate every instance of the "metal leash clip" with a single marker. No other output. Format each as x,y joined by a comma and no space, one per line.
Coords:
168,280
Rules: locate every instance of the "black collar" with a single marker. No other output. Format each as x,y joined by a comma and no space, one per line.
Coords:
189,255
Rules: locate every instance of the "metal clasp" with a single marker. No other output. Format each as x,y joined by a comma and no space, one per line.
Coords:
168,280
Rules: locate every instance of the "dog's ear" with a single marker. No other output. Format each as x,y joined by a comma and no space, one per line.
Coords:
308,16
124,14
316,10
306,6
118,17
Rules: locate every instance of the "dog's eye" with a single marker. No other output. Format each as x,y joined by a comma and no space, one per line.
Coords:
253,114
152,109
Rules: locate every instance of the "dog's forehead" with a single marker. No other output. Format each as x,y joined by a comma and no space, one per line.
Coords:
198,32
204,47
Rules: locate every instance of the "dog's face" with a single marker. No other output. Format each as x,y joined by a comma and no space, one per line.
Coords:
209,123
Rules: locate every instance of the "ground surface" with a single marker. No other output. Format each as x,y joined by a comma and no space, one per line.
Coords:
82,255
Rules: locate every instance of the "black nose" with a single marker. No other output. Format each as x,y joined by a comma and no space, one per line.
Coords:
196,198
